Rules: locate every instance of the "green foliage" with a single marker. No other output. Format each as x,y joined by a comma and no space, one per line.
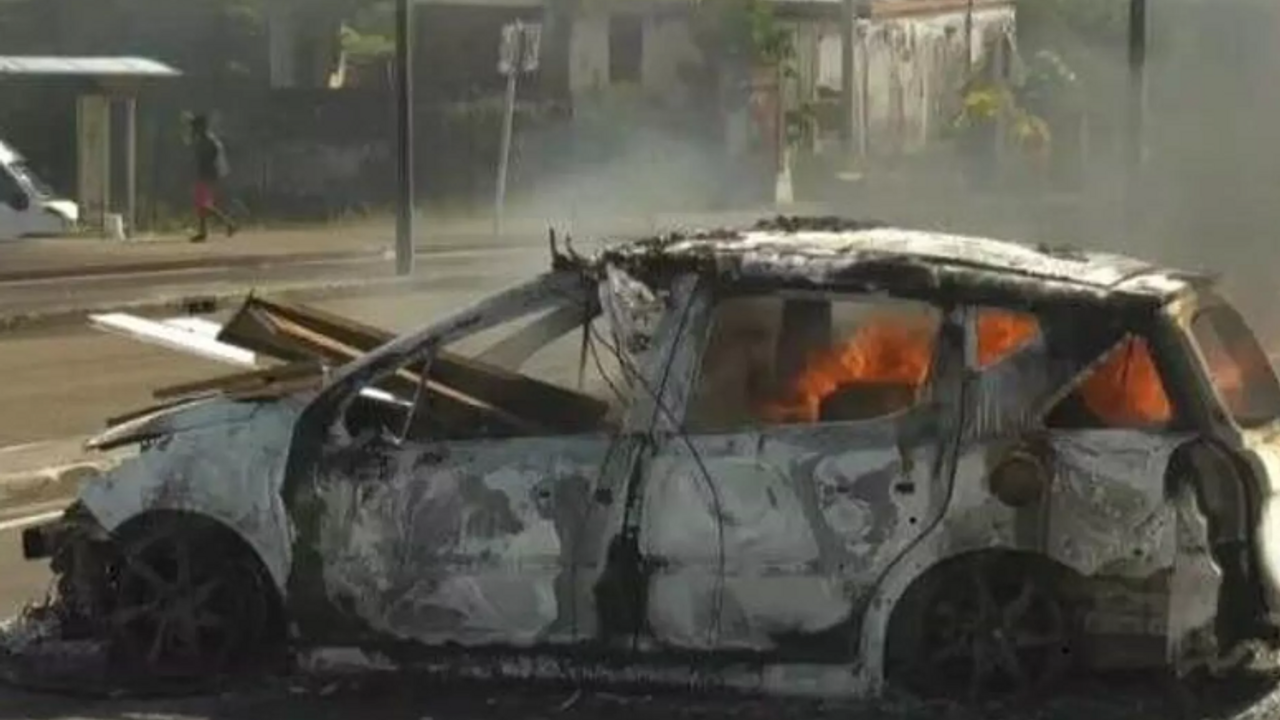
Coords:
746,30
370,31
983,105
360,46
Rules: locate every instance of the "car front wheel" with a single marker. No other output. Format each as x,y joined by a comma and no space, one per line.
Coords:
191,602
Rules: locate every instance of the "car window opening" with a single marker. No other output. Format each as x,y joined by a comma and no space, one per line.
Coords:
1002,333
1237,366
1125,391
463,398
781,361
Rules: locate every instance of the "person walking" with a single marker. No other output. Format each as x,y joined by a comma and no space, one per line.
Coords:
211,168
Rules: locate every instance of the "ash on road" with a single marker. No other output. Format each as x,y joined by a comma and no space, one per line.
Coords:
394,697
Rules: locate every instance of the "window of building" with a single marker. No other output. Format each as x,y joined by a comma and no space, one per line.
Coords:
626,48
780,361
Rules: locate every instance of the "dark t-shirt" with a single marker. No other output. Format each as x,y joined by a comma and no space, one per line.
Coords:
209,160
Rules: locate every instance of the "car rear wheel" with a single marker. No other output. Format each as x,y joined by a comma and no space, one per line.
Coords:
987,628
191,603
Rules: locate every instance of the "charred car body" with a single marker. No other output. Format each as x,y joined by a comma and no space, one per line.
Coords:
814,455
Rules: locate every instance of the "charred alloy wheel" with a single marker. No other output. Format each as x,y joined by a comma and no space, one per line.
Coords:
987,629
191,604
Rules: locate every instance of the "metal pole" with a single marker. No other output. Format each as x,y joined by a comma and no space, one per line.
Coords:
131,165
404,137
848,86
1137,80
508,124
864,97
968,37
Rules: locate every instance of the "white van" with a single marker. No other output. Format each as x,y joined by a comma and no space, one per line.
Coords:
28,206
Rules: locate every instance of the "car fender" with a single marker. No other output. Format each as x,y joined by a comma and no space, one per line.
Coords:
1135,469
228,471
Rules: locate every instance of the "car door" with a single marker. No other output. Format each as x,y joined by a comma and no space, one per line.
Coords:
442,521
804,466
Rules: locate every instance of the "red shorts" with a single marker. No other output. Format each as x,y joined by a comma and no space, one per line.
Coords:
203,195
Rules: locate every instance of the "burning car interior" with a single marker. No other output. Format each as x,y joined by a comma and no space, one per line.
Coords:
793,359
796,359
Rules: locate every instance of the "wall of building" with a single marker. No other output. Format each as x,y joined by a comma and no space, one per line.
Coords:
667,46
589,54
914,67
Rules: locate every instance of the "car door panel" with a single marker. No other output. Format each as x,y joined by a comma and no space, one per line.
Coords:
761,540
467,542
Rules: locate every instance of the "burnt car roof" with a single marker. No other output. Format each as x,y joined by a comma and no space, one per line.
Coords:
846,254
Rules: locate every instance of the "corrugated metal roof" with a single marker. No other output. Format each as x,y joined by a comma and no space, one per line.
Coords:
85,66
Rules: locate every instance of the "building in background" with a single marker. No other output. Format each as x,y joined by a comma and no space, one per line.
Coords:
639,90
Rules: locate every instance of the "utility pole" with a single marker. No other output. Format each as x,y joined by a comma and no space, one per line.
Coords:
968,39
404,137
848,87
1135,116
1137,109
853,90
512,71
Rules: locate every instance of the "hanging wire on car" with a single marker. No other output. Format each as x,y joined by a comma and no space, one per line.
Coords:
662,410
637,377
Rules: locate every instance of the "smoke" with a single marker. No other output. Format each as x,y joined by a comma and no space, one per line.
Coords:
625,160
1206,199
1208,195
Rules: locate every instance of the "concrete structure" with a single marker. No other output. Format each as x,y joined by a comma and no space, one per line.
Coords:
909,61
105,82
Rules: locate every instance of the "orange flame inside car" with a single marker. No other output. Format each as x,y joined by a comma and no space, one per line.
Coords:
1126,391
894,350
1001,332
891,350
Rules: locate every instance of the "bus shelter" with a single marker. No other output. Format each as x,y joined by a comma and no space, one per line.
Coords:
103,85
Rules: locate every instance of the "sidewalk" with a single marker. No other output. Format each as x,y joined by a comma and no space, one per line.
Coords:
44,259
48,472
36,259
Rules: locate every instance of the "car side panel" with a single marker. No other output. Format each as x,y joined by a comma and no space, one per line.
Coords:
224,460
476,543
768,540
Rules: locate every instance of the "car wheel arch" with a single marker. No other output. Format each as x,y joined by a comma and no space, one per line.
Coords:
139,525
1063,584
919,563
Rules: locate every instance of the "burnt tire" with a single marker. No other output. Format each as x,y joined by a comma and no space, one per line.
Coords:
987,628
190,604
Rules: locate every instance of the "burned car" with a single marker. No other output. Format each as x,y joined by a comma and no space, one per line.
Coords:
813,455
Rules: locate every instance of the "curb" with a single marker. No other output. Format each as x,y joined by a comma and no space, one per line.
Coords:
40,473
205,263
18,490
383,252
209,302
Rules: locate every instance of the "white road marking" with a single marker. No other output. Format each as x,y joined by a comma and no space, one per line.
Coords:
28,521
26,511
